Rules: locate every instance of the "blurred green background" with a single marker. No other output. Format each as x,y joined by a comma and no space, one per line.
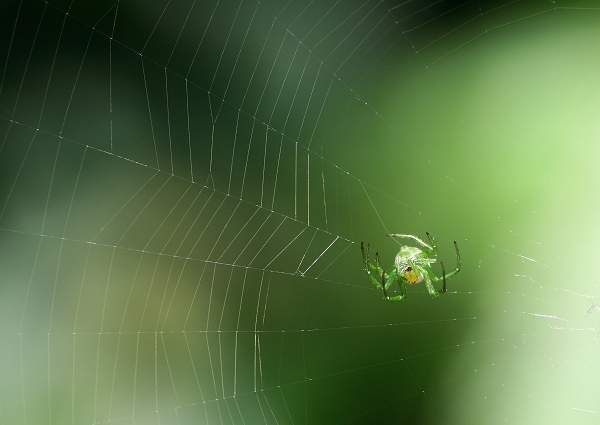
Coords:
184,187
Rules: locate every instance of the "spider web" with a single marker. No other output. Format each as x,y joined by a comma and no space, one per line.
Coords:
185,185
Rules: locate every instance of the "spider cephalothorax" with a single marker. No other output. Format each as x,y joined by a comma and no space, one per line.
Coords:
411,265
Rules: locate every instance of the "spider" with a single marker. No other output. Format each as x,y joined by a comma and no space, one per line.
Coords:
411,265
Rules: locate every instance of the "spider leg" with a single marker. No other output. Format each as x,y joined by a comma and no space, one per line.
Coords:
398,235
403,294
443,277
377,263
434,250
370,267
430,277
458,262
431,289
387,277
391,276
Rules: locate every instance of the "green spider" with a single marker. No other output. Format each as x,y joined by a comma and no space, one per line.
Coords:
411,265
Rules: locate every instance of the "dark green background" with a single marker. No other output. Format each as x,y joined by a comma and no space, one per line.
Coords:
184,187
